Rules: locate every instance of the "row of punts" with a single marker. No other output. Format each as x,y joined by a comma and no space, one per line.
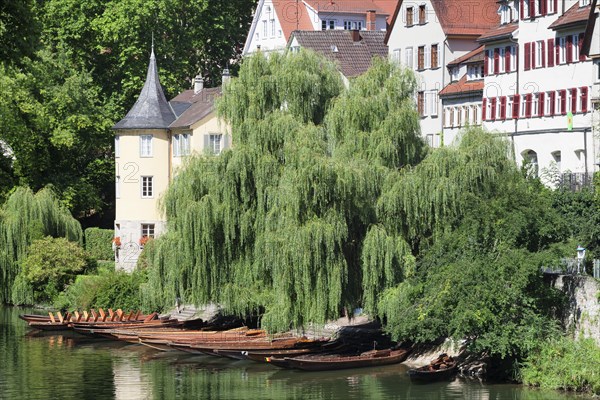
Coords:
282,350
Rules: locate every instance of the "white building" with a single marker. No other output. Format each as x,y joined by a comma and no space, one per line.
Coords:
538,84
275,20
425,36
462,97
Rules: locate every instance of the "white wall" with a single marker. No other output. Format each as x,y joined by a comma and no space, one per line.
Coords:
272,41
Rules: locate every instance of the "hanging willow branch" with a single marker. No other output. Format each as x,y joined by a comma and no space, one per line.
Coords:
23,218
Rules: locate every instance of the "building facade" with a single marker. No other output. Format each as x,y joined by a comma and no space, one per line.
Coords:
151,142
275,20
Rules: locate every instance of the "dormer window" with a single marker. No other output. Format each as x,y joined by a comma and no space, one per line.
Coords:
474,72
454,72
505,14
327,24
583,3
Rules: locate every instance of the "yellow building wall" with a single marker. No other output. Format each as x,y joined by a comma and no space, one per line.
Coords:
130,167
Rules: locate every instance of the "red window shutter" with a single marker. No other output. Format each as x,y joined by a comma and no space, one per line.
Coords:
527,56
515,110
552,102
493,116
523,9
563,102
484,110
555,6
528,99
569,49
544,7
507,59
541,99
531,8
503,107
486,62
496,60
549,51
574,100
584,99
582,57
543,54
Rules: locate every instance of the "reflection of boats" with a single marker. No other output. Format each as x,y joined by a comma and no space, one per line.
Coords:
371,358
442,368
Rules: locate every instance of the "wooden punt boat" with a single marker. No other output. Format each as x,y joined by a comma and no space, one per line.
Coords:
442,368
57,322
373,358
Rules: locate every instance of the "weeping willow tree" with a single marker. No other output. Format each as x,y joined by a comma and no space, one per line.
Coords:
277,223
24,217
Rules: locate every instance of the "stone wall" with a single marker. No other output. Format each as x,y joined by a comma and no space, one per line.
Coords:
582,316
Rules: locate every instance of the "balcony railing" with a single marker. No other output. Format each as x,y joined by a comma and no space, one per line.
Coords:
576,181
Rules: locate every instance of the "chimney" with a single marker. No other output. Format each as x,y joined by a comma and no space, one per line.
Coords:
198,84
226,76
371,20
356,35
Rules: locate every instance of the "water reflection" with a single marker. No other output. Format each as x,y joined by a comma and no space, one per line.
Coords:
53,366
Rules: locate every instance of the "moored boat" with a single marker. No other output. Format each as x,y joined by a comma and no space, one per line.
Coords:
442,368
371,358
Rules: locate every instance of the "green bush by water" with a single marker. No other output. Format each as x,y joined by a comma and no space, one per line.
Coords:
565,364
98,242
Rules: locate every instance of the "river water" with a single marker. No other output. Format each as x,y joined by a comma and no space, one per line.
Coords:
67,366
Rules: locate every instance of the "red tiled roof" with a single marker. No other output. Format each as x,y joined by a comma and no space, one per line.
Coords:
347,6
462,18
388,6
462,86
292,16
573,16
499,32
202,104
472,56
352,58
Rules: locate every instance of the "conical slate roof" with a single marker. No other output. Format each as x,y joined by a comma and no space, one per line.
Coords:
151,110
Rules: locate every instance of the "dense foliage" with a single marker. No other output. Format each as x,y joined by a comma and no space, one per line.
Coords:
564,363
51,264
98,243
106,288
26,217
69,69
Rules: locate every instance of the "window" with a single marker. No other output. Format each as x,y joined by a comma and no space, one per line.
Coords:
118,187
458,112
181,145
272,28
536,105
557,156
539,54
353,25
575,48
146,146
147,188
467,110
433,102
409,16
562,52
454,72
509,106
421,58
502,57
488,110
490,61
583,3
117,146
148,230
265,31
409,57
505,16
397,56
214,143
422,14
327,24
548,103
421,103
523,112
513,58
550,7
531,161
434,56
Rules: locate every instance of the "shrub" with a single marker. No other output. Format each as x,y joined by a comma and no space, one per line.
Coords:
565,364
50,265
98,242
